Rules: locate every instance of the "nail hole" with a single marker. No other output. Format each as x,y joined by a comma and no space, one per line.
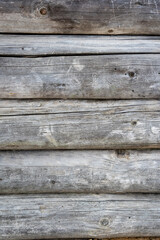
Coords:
43,11
129,217
110,31
132,90
120,152
53,182
134,123
0,179
131,74
22,48
104,222
115,69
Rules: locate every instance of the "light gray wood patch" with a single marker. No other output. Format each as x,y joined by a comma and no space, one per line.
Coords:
33,45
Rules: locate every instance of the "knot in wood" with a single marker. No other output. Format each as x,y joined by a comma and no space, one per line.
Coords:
110,31
131,74
43,11
134,123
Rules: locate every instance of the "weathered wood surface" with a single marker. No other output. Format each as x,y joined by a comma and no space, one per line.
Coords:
58,124
79,171
42,45
83,77
73,216
133,238
80,17
124,238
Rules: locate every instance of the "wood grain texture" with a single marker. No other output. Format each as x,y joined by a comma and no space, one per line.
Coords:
80,17
79,172
73,216
79,124
81,77
133,238
121,238
42,45
130,238
124,238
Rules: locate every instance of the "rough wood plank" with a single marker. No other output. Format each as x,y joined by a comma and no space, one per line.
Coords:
80,17
79,171
83,77
79,124
78,216
125,238
133,238
31,45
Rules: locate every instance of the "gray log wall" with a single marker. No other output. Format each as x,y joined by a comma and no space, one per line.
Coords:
79,119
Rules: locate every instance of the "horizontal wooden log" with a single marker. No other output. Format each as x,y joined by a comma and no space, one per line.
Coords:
133,238
81,77
42,45
80,17
79,171
79,124
124,238
73,216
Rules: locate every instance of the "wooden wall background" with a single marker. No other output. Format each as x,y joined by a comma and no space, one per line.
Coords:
79,119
